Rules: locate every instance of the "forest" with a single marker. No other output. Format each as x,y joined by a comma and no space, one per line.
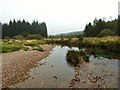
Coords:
100,28
97,28
23,28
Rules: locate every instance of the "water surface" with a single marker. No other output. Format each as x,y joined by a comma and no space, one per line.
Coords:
54,72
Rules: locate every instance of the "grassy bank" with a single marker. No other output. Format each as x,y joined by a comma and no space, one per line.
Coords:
63,41
16,45
106,43
104,46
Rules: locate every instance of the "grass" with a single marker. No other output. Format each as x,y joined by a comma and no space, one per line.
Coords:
16,45
0,47
34,43
108,46
11,47
107,43
38,48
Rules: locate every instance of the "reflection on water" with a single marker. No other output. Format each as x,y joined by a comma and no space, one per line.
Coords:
97,51
58,71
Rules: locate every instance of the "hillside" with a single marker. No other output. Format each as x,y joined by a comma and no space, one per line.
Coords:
71,33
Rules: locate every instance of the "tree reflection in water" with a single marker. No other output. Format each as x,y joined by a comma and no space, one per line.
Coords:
74,59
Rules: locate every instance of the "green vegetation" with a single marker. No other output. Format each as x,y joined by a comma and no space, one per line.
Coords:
31,43
106,32
23,28
63,41
110,45
93,30
16,45
0,47
99,34
38,48
74,57
34,36
107,43
18,37
7,47
34,43
97,51
118,25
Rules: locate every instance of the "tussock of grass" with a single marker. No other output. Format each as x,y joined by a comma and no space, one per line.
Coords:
34,43
26,48
38,48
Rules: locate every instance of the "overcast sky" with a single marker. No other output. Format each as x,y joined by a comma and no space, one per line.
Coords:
60,15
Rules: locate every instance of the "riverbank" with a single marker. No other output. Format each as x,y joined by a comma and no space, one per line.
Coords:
15,65
57,72
108,47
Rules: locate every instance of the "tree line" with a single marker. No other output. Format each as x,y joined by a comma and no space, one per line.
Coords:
100,27
23,28
118,25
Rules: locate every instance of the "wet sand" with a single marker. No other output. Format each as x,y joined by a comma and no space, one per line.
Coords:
16,65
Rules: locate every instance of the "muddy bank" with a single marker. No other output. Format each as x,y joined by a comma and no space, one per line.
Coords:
15,65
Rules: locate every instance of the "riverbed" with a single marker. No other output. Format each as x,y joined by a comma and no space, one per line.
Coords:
55,72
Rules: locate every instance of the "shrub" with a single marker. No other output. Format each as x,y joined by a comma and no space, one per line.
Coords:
31,44
106,32
34,36
7,38
34,43
74,57
19,37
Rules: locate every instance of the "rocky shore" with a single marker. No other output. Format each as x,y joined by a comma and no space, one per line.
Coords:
16,65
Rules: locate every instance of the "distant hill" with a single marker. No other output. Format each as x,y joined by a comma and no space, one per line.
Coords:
71,33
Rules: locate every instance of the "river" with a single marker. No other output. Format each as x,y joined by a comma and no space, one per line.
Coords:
55,72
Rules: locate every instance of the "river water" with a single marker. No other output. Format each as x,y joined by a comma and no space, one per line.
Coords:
55,72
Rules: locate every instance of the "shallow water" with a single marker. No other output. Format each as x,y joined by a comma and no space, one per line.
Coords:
54,72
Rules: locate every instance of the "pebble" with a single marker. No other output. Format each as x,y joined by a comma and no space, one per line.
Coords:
55,77
42,83
94,81
84,81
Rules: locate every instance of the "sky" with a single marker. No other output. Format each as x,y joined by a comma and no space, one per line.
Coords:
60,16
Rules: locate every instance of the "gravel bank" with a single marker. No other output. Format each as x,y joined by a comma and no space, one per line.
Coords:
15,65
